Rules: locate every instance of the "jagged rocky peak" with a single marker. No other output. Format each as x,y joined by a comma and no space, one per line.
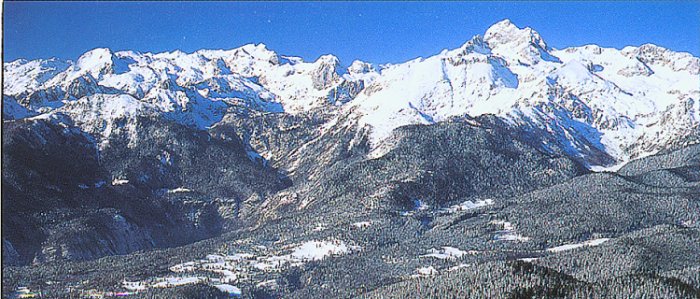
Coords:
326,71
505,32
646,51
595,49
513,43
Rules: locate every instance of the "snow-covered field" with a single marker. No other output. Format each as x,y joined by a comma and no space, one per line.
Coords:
594,242
426,271
223,271
448,252
469,205
508,232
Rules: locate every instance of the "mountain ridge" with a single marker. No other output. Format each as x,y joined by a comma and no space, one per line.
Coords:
605,105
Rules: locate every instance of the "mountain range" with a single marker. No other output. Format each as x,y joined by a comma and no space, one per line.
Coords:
569,171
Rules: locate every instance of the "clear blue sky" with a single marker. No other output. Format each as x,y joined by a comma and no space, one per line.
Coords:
378,32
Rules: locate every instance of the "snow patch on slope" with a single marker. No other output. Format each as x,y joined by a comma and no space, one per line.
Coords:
594,242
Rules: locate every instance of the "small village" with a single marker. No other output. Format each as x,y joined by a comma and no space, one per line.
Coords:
222,271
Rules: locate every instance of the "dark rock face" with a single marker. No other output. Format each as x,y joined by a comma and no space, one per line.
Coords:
38,170
63,198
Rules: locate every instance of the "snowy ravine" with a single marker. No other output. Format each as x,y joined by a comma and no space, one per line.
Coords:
602,105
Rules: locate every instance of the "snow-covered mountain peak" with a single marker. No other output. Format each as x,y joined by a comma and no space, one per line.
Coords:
328,59
326,71
505,32
504,25
601,105
518,45
100,61
95,56
360,67
258,52
328,63
258,49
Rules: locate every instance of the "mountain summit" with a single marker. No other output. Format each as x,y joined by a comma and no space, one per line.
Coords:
525,45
